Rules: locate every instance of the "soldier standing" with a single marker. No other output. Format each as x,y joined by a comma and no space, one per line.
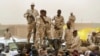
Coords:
47,26
7,35
40,24
31,15
72,19
76,41
58,25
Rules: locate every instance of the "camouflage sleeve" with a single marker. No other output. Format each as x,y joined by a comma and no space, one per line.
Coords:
74,17
37,21
50,21
26,14
63,20
37,13
53,18
65,34
75,42
10,34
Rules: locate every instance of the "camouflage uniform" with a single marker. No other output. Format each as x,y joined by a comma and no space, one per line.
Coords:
92,38
76,43
40,29
69,38
98,38
58,25
72,21
7,35
48,27
34,13
31,23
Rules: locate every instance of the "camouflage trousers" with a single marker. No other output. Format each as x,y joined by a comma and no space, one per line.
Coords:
58,33
31,30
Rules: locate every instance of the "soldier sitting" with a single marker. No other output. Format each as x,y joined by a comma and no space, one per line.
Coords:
92,38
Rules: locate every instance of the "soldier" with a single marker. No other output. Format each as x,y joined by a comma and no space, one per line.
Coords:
76,41
92,38
68,35
72,20
98,38
7,35
47,26
31,15
40,24
58,25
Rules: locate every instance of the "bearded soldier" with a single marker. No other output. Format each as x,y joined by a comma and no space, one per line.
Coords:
58,25
31,15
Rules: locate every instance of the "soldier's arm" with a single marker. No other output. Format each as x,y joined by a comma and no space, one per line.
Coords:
50,21
37,21
53,18
37,14
74,18
73,45
53,21
62,20
26,14
89,39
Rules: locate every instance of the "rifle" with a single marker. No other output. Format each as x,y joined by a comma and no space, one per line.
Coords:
30,18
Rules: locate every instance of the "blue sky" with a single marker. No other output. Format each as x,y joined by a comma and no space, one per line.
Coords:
86,11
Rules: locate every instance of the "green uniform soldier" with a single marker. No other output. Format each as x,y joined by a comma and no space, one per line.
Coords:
31,15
